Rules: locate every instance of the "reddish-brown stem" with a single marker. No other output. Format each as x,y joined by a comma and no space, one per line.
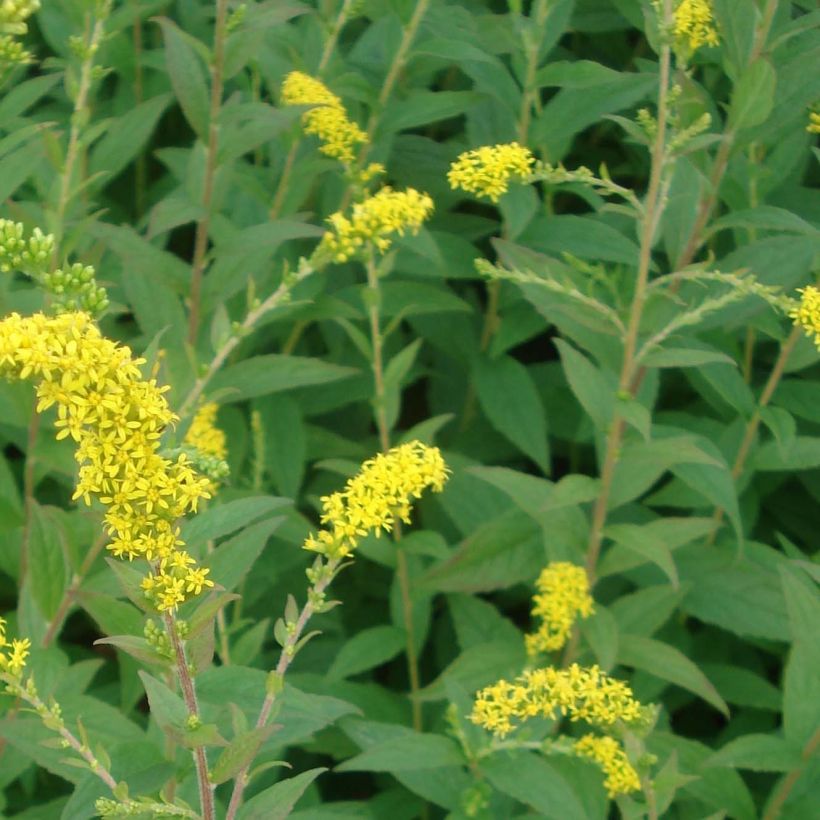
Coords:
784,788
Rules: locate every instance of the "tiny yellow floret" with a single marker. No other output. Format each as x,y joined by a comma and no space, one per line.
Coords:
374,221
807,313
814,122
581,693
12,654
488,171
694,24
328,120
621,777
562,597
204,435
381,492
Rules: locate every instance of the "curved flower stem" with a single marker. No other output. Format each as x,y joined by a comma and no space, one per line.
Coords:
707,204
251,320
56,724
784,788
71,593
203,227
206,794
288,653
754,422
653,208
402,570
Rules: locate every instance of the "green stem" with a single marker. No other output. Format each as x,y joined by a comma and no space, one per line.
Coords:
653,208
784,788
203,227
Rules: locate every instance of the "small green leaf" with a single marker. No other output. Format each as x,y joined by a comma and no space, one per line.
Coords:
753,95
406,751
47,556
760,753
232,559
187,76
368,648
277,802
241,752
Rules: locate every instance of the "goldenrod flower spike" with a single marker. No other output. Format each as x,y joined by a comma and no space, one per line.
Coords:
694,24
488,171
328,120
117,417
577,692
807,313
374,221
621,777
381,492
562,597
12,655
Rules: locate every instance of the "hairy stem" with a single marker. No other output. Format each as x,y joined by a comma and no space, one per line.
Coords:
186,682
204,225
653,208
402,570
784,788
253,317
754,422
288,652
71,593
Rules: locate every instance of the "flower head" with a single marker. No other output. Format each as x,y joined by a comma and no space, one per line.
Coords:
621,777
578,692
694,24
116,417
379,493
814,122
562,597
12,654
374,221
328,120
488,171
204,435
13,17
807,313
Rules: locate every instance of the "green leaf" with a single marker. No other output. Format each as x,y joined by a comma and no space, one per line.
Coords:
593,390
223,519
277,802
530,779
126,137
421,107
760,753
646,543
16,168
753,95
743,687
669,664
274,373
167,708
684,357
187,77
368,648
48,576
504,551
232,559
239,753
284,440
406,750
522,419
803,453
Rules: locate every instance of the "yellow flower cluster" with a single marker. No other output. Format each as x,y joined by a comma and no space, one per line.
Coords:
562,597
807,313
814,122
693,24
621,777
328,120
581,693
13,17
374,220
12,654
204,435
116,416
379,493
487,171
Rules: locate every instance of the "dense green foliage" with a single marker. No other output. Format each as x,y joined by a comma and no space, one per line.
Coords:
617,385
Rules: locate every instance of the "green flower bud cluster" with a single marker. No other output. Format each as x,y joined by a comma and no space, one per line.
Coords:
213,467
74,288
157,638
13,16
106,807
71,288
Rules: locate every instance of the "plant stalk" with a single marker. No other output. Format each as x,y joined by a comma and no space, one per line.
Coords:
204,225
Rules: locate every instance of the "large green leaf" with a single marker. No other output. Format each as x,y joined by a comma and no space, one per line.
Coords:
277,802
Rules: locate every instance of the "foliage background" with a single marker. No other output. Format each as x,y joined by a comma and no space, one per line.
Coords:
514,383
